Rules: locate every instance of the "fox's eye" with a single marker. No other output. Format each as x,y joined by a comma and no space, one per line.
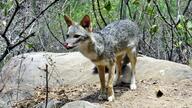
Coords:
76,36
67,36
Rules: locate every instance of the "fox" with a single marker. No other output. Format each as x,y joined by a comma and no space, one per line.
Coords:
105,48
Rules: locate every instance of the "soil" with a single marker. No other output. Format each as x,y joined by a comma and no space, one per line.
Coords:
149,94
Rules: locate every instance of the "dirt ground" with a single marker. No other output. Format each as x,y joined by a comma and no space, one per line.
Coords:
149,94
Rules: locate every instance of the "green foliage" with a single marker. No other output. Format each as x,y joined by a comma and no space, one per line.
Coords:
150,10
148,1
180,26
29,46
189,25
158,34
108,6
6,6
136,2
153,29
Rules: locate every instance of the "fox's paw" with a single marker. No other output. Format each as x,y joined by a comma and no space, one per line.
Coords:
133,86
102,96
111,98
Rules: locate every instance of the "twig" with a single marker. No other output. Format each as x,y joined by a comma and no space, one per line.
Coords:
129,9
93,5
61,27
18,43
187,6
156,5
185,10
18,78
47,85
101,13
121,9
34,19
169,11
13,46
172,44
9,23
9,46
52,32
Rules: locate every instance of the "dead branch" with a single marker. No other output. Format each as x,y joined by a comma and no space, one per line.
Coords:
11,47
47,85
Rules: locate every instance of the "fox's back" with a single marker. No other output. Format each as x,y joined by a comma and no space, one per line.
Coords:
120,34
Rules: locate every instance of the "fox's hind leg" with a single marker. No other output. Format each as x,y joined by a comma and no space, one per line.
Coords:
101,70
132,54
110,91
118,74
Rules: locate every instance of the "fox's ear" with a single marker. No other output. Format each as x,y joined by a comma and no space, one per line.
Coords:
68,20
86,23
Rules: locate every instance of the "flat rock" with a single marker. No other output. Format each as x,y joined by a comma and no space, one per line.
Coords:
80,104
23,73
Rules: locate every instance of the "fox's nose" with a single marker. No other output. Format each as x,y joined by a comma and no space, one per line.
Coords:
66,45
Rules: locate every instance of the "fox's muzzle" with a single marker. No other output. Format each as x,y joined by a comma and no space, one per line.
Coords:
69,46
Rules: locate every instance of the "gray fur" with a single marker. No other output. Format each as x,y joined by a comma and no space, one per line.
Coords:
115,37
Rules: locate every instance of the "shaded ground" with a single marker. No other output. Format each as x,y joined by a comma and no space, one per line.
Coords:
175,95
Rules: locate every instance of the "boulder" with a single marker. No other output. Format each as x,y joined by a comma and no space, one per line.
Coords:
25,72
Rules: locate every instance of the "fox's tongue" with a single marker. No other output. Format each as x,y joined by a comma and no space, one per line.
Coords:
68,46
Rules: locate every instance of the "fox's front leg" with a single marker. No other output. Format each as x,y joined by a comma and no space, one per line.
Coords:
110,91
101,70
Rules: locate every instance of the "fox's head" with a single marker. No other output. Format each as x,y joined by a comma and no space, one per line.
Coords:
77,32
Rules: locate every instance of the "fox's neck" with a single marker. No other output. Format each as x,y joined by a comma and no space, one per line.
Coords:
92,48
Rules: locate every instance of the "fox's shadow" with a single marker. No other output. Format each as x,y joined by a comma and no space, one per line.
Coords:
119,90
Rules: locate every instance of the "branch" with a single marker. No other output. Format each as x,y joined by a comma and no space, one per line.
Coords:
129,9
93,5
9,23
4,54
61,27
187,6
101,13
9,46
121,9
34,19
52,32
158,9
18,43
185,10
169,11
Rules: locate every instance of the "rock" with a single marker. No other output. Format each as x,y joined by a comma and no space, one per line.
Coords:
23,73
163,70
51,104
80,104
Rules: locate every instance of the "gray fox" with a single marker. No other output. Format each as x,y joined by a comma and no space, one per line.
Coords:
105,48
